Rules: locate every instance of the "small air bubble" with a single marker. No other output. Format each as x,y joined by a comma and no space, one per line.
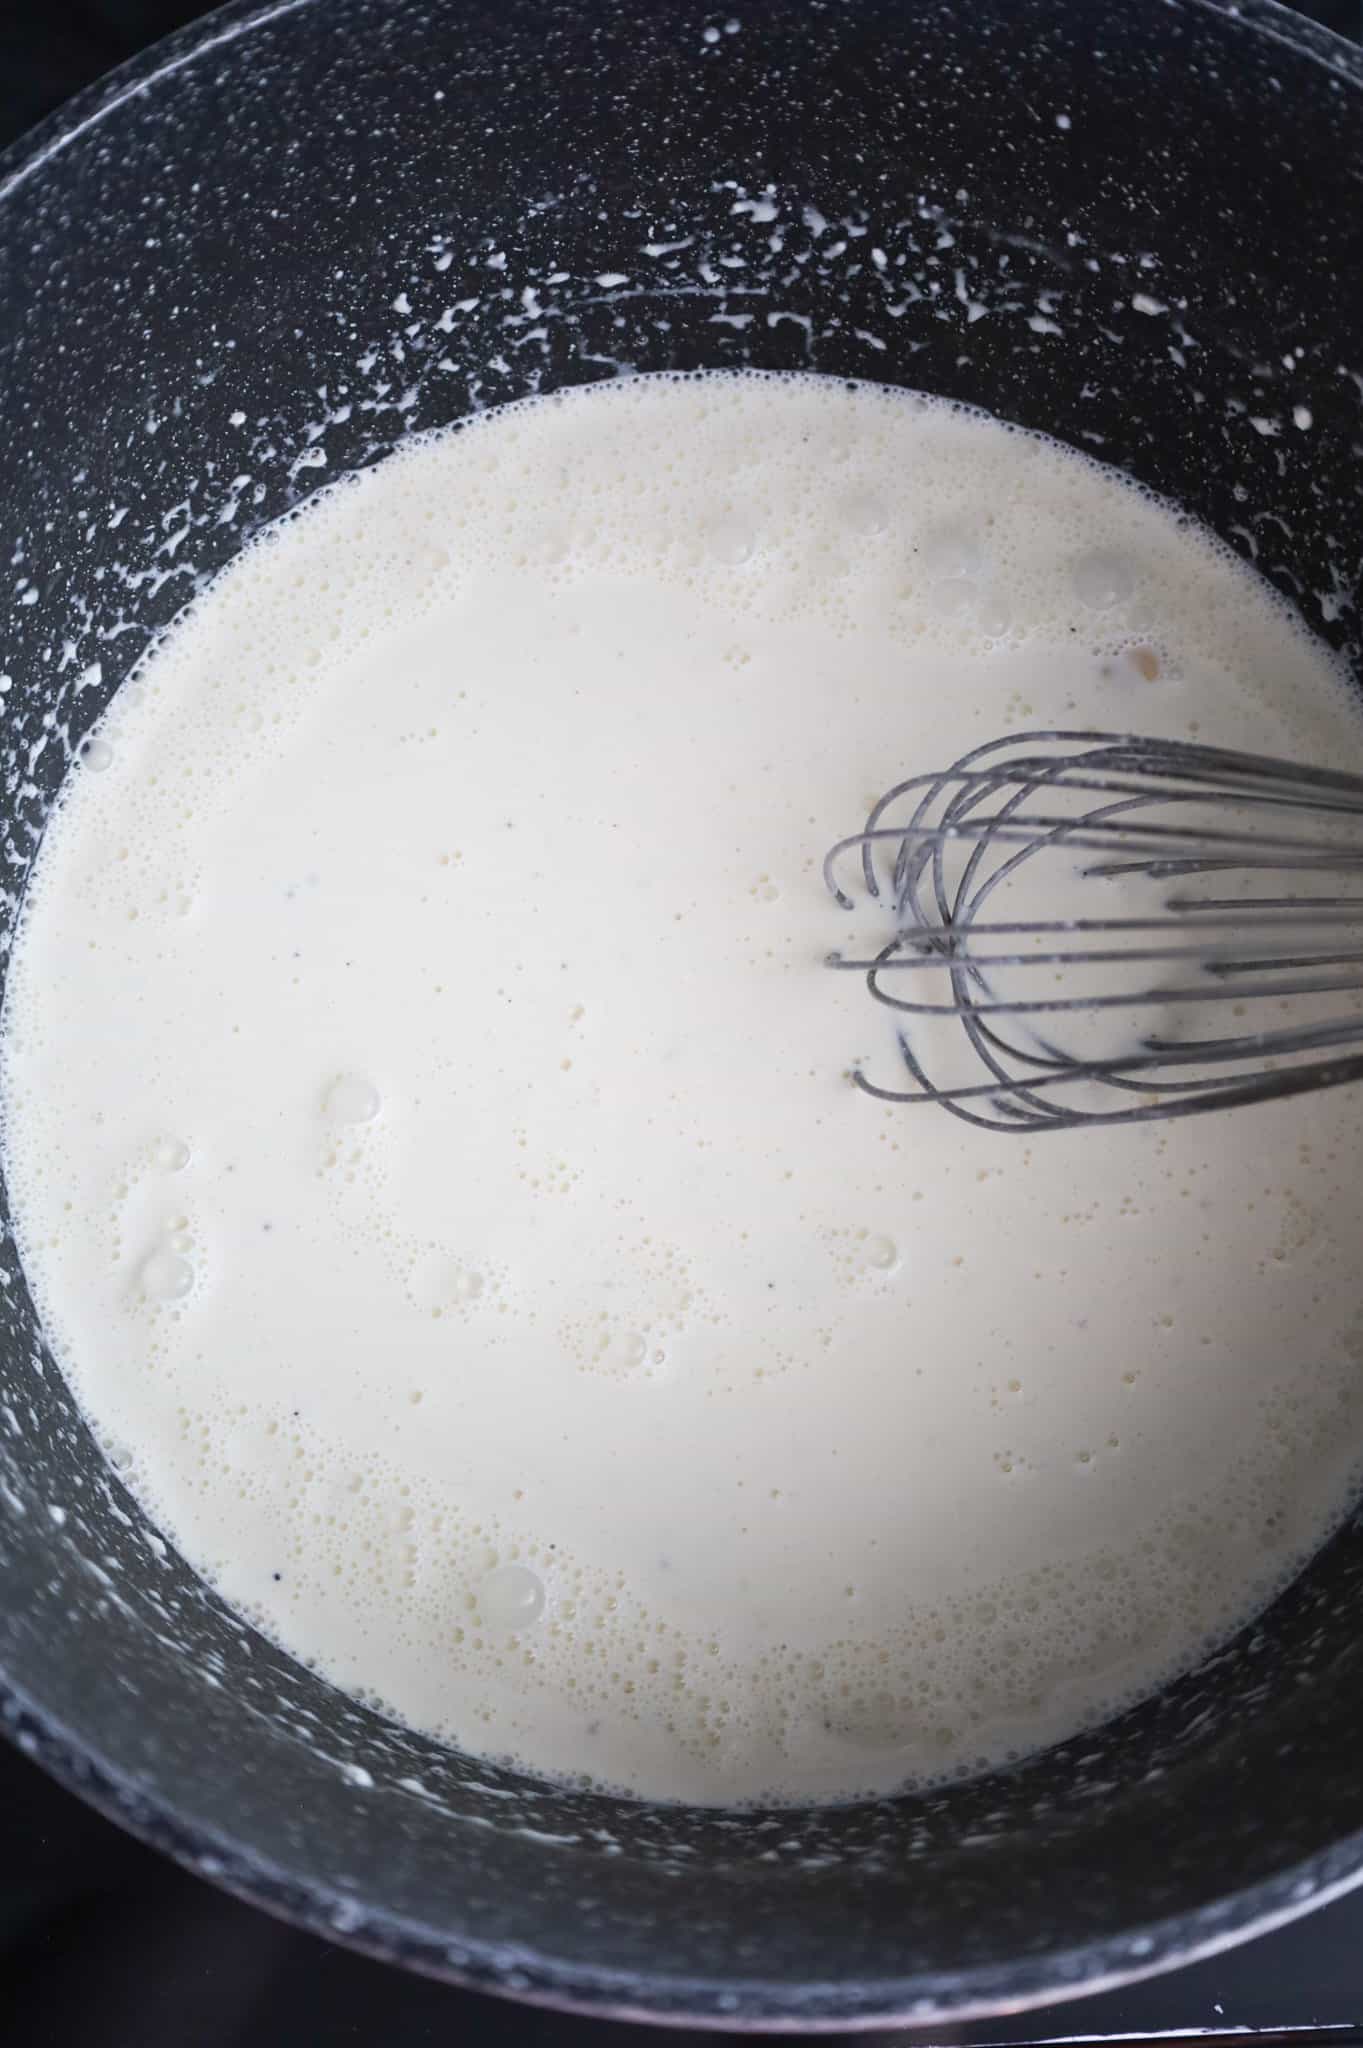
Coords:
352,1100
511,1597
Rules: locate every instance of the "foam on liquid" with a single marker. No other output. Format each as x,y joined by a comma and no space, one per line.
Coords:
427,1123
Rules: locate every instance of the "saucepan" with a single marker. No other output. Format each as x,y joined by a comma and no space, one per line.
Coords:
287,239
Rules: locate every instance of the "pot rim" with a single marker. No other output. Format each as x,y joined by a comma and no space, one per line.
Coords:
759,2005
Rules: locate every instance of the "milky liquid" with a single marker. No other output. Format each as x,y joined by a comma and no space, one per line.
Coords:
427,1121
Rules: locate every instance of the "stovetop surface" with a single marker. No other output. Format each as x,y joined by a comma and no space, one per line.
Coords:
106,1943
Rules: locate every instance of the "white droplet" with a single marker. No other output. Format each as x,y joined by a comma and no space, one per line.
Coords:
172,1154
166,1277
881,1252
97,755
1101,579
511,1596
352,1100
634,1348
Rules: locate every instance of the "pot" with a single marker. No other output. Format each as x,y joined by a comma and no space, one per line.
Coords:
289,238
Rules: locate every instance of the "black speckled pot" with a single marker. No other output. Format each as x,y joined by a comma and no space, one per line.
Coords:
302,231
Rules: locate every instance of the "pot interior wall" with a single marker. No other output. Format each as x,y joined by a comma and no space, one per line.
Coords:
305,232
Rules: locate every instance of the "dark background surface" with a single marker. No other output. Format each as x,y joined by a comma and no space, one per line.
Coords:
104,1942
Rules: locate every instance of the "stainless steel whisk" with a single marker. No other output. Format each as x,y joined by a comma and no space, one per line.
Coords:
1118,814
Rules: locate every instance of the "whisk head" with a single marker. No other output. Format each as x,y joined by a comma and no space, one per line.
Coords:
1095,928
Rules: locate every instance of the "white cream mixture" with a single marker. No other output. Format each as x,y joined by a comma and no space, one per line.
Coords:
427,1119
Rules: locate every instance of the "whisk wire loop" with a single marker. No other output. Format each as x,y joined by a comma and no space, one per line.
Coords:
1075,819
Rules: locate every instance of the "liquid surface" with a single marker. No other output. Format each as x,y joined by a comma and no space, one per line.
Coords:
427,1121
